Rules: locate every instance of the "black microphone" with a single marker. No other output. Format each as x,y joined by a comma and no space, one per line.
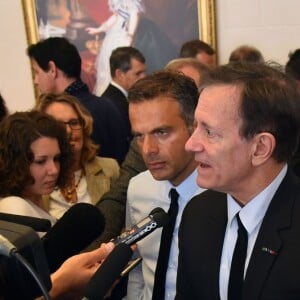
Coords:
108,272
157,218
74,231
37,224
116,261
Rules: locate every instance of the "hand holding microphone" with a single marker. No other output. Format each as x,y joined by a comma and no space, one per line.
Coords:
73,275
114,264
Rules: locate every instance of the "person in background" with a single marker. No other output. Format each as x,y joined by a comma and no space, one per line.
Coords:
190,67
113,203
246,53
35,158
127,65
292,69
91,174
199,50
3,108
56,65
161,111
238,240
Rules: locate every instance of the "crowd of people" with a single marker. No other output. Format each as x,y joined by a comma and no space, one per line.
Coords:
216,147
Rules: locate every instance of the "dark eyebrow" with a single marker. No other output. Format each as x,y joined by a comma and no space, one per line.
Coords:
155,130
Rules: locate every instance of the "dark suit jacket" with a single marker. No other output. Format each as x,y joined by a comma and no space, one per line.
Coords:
118,99
269,276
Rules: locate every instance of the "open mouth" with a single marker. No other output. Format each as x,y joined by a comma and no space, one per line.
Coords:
203,165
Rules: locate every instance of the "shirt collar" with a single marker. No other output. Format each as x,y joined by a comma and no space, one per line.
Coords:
252,214
120,88
188,188
76,86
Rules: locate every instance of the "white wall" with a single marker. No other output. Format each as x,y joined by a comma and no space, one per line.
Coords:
273,26
15,75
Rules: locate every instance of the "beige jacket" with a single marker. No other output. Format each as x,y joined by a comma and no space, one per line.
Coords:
99,174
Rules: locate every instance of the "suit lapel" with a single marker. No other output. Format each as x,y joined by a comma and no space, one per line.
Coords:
268,242
118,98
214,227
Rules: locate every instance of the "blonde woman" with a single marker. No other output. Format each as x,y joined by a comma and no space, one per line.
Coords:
92,174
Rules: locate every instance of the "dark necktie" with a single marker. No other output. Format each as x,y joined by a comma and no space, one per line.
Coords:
236,277
164,249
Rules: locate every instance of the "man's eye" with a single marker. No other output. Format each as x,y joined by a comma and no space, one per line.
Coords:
138,136
161,132
209,133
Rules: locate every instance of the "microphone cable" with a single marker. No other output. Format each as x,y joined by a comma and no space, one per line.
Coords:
8,249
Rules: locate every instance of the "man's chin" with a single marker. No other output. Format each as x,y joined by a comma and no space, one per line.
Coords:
158,175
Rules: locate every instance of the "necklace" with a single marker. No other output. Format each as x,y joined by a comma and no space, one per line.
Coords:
70,193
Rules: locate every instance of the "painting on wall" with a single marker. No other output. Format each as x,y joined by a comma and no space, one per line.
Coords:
157,28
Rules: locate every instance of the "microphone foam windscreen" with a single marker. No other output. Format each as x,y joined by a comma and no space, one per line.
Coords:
108,272
160,216
74,231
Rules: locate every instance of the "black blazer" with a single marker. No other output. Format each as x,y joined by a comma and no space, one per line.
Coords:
269,276
118,99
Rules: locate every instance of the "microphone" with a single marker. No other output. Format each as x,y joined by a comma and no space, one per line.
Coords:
157,218
74,231
108,272
37,224
117,260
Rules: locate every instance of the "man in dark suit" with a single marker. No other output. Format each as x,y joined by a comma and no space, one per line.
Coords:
127,65
247,129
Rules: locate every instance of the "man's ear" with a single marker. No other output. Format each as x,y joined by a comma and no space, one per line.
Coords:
264,146
52,69
119,74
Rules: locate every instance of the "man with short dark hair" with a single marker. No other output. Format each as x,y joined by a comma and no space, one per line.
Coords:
127,65
161,110
199,50
56,65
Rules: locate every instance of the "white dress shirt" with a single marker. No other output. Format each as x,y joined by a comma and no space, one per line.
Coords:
251,216
144,194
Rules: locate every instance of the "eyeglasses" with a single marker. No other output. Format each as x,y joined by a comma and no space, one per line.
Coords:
74,124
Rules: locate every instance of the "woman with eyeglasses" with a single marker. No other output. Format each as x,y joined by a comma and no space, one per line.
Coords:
91,174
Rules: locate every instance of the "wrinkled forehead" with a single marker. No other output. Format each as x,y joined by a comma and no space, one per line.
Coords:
222,100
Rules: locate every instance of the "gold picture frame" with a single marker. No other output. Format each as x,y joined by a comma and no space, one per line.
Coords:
206,18
207,22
